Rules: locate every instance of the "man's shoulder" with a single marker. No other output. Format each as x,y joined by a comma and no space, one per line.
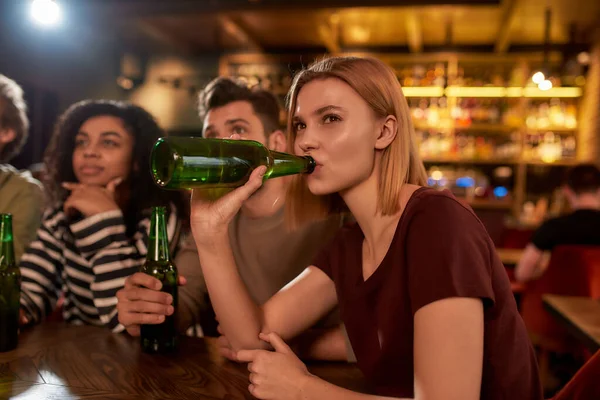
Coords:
18,180
559,221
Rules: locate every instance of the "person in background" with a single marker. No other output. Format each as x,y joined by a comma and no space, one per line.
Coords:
425,299
95,233
20,194
580,227
267,254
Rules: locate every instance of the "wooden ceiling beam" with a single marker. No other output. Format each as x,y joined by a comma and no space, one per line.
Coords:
160,36
329,33
146,8
414,32
331,43
236,31
506,24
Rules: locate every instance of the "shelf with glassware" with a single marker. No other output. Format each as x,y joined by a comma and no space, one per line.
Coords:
484,130
482,147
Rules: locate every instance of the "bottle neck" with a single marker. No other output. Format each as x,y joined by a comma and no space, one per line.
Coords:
158,241
289,164
7,252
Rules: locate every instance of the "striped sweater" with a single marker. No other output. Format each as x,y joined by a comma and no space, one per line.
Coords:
86,261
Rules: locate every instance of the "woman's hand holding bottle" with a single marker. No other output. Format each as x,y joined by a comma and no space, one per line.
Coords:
209,219
210,215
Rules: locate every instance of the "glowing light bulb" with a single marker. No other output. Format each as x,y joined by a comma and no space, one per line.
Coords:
545,85
538,77
437,175
45,12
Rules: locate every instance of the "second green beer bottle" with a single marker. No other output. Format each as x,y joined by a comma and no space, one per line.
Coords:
160,338
10,287
192,162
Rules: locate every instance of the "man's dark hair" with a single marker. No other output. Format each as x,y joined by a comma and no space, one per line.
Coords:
583,178
13,115
222,91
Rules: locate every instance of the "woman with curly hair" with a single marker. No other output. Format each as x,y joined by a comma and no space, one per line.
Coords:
94,234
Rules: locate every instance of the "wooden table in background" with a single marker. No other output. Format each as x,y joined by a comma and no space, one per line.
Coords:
581,316
58,361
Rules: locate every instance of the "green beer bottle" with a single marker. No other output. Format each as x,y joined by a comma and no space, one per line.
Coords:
160,338
10,287
192,162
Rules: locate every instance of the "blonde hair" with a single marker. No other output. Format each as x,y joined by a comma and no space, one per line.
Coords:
377,84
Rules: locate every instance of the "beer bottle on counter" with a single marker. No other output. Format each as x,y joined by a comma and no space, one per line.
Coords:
192,162
10,287
160,338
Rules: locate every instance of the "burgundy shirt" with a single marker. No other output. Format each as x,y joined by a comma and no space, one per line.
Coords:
440,249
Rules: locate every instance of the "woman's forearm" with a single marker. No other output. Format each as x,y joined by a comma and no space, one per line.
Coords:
240,318
315,388
323,344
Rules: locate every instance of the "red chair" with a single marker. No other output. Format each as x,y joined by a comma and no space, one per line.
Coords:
516,238
585,385
572,271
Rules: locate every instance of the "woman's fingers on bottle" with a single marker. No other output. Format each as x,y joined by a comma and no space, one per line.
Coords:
254,182
142,279
148,307
140,294
226,207
149,319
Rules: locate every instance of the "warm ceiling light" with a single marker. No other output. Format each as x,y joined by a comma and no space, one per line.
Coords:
545,85
45,12
359,34
538,77
583,58
437,175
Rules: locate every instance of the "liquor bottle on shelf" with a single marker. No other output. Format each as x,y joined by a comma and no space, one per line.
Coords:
433,116
440,79
570,117
569,147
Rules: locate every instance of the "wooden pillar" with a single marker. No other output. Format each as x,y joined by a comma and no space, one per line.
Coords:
588,146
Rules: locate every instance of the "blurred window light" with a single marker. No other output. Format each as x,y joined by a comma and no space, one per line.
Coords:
45,12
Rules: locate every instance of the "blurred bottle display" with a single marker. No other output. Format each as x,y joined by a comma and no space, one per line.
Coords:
435,144
543,128
473,184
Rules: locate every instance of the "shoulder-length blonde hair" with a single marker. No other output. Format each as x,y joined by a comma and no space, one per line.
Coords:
376,83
